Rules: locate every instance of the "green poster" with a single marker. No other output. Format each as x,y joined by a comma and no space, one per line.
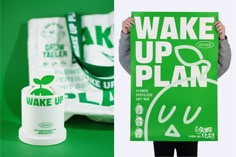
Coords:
174,60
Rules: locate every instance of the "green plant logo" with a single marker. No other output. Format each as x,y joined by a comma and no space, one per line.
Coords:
45,80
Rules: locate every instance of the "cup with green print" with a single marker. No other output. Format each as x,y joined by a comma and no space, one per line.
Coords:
42,113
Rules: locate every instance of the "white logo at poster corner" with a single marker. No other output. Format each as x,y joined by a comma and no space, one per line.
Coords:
172,131
205,132
138,133
139,121
139,109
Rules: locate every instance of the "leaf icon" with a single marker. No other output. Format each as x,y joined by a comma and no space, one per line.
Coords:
47,79
37,81
188,47
110,57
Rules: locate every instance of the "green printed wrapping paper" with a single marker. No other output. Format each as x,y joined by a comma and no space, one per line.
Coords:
174,59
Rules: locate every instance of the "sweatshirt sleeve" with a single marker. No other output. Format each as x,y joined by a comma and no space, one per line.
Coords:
224,57
124,51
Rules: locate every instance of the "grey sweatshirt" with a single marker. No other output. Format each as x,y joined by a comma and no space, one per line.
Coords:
224,55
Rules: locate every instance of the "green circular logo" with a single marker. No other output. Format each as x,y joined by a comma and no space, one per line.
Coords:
45,125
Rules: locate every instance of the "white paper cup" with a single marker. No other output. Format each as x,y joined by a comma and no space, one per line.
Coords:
42,118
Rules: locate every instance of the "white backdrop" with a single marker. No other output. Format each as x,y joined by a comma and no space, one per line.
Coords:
226,145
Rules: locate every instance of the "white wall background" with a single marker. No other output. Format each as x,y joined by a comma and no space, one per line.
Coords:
226,146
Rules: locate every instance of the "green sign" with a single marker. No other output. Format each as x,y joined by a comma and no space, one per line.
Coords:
174,59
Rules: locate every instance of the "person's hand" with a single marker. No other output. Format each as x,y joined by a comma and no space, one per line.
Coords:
127,24
221,29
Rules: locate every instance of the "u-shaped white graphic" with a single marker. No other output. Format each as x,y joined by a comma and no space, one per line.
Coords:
185,120
168,116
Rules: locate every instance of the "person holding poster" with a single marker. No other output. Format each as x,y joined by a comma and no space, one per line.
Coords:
166,148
